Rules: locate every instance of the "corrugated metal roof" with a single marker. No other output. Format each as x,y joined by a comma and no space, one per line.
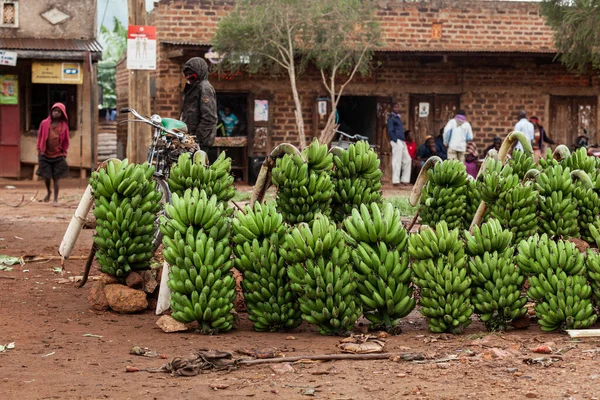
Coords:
50,44
424,49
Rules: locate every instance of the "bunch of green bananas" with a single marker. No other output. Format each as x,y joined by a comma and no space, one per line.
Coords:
557,282
497,297
381,264
592,264
588,202
440,270
548,160
520,163
304,186
563,301
580,160
516,209
444,195
539,252
319,267
356,178
558,210
196,245
495,180
125,208
214,180
258,233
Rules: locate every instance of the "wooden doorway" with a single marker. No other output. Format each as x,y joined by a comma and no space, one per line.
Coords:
428,113
382,141
10,141
571,117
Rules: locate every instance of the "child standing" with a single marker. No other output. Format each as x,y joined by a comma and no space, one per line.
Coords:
52,146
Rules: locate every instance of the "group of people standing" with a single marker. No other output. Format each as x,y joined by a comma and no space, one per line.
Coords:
454,142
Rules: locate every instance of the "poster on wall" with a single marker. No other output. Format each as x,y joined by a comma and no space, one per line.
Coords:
9,89
8,58
423,110
261,110
322,106
141,47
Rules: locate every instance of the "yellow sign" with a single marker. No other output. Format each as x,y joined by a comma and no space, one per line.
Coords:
57,72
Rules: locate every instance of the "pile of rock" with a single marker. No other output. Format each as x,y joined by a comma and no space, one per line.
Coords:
138,294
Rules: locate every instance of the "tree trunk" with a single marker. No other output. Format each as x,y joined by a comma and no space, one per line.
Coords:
298,110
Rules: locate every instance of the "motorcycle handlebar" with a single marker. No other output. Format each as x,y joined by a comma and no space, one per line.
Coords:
149,122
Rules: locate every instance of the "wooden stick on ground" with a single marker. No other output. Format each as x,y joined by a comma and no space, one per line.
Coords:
331,357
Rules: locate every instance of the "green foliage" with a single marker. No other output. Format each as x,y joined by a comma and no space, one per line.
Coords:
576,25
115,45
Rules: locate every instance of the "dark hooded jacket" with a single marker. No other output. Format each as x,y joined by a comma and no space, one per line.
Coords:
199,110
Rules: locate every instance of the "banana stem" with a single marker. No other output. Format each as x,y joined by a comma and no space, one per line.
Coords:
479,214
531,174
510,142
200,157
336,151
414,220
415,194
263,181
493,154
583,177
561,152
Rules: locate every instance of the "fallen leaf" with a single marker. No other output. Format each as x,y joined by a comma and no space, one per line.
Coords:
92,335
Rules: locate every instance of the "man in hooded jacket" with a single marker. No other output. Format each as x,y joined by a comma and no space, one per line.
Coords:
199,110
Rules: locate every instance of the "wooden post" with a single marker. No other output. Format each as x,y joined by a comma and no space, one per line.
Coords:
138,134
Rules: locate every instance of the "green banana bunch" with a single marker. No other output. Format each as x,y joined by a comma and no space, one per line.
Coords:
516,209
126,205
496,282
214,180
304,186
197,247
521,162
356,178
381,264
592,263
495,180
588,202
594,230
440,270
539,253
488,238
579,160
558,210
271,303
444,195
321,273
563,300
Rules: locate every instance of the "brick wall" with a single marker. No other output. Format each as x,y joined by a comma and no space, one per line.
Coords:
495,55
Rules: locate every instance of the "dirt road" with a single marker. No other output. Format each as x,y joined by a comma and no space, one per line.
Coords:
47,321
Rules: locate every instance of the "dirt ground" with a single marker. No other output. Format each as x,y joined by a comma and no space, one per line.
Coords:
47,321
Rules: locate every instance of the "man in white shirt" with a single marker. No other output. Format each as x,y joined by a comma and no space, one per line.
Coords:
525,127
456,135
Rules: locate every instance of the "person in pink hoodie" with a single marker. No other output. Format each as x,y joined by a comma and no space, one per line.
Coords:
52,146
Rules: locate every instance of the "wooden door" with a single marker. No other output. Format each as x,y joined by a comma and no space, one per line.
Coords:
384,149
429,113
571,117
10,141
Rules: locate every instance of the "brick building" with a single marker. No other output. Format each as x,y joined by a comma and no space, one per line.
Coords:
490,58
54,50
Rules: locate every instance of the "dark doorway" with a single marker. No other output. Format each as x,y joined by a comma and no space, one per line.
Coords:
358,115
238,105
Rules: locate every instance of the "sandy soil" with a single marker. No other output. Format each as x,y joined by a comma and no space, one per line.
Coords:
47,321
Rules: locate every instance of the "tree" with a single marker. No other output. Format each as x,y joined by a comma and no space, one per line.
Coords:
275,36
345,35
576,25
115,42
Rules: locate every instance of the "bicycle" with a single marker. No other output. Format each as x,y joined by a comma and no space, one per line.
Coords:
170,139
345,140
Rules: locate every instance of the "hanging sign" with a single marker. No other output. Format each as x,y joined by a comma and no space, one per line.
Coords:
261,110
56,72
322,106
8,58
9,89
423,110
141,47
